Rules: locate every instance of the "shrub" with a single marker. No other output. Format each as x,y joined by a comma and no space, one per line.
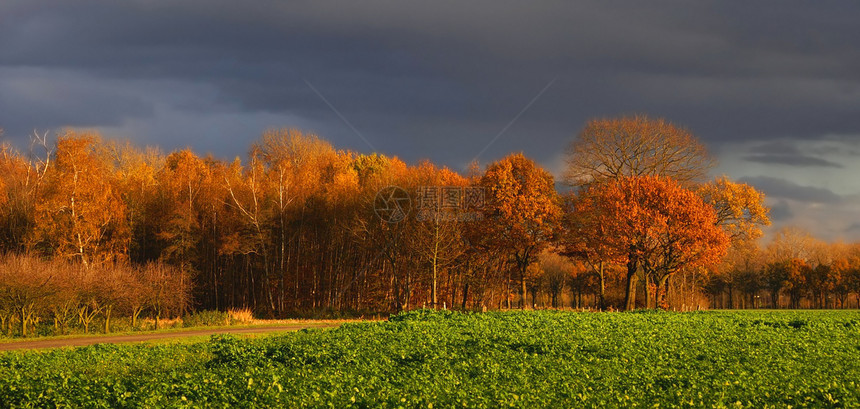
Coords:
206,319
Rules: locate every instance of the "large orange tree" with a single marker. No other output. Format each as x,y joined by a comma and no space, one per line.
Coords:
521,210
654,224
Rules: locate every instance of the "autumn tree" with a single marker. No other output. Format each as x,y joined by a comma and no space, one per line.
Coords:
522,210
247,195
798,271
63,302
90,298
583,236
739,207
436,238
851,277
581,282
614,148
286,156
19,180
741,213
79,213
737,274
301,183
181,179
385,225
635,146
373,240
790,242
845,258
134,294
143,185
776,276
111,296
484,267
659,225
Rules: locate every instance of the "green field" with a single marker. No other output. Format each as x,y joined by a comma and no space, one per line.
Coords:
497,359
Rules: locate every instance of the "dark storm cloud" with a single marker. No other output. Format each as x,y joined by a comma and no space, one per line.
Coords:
784,189
42,98
792,160
440,79
780,212
786,153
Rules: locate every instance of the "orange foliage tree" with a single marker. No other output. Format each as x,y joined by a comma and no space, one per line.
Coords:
584,233
138,182
436,238
658,225
522,210
79,213
19,182
184,180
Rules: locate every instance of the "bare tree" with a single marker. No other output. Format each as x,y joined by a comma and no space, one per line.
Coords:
25,282
556,269
89,296
791,242
635,146
41,161
134,295
167,289
63,304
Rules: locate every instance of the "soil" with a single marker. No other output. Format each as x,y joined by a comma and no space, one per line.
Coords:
116,339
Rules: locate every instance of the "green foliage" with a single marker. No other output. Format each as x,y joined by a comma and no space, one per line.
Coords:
424,315
445,359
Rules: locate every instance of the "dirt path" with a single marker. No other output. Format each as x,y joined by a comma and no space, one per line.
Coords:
115,339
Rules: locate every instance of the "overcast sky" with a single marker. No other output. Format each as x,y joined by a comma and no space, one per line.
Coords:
773,88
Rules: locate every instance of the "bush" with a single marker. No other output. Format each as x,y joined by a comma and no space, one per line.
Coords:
206,319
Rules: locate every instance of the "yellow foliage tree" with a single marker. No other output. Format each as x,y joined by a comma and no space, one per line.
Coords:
79,214
740,208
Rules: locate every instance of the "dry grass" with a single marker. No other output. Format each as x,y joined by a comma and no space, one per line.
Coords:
241,316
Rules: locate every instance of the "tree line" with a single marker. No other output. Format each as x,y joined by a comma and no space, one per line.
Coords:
303,227
794,270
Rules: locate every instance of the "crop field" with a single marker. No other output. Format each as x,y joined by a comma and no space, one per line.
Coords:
445,359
